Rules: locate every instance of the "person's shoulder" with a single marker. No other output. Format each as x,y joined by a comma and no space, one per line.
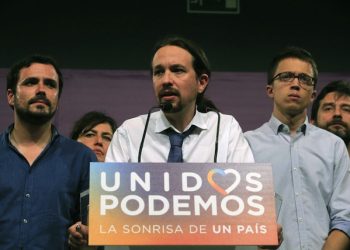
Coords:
326,141
67,141
72,145
136,121
226,118
3,136
256,132
3,141
317,133
5,133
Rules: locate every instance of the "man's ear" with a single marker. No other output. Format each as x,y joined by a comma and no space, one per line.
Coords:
269,90
10,97
203,81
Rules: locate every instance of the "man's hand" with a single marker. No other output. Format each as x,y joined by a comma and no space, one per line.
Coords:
337,240
78,235
280,239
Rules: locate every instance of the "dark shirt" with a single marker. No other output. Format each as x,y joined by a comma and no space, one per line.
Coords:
38,203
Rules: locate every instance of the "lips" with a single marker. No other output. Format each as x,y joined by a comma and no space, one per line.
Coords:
98,152
40,100
294,96
168,93
163,93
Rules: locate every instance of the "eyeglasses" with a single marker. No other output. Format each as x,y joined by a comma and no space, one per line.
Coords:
304,80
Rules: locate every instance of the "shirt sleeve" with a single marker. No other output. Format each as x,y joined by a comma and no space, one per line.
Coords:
118,150
339,208
239,149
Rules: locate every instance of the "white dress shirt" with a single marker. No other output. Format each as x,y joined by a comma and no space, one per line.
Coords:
197,147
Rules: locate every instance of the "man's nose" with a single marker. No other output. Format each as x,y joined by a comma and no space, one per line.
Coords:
41,87
337,112
167,78
295,84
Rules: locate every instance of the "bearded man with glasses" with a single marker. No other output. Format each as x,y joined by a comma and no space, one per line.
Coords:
310,165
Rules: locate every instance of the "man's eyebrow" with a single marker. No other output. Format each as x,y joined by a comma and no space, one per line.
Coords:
50,79
107,133
157,66
328,103
30,79
177,65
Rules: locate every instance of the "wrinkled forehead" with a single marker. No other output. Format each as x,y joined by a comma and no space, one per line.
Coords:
40,71
171,55
337,97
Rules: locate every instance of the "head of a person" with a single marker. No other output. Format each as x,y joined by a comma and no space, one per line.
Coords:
180,73
34,85
95,130
331,109
292,77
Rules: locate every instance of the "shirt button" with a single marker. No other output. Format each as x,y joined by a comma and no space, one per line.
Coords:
300,219
27,195
295,169
296,194
25,221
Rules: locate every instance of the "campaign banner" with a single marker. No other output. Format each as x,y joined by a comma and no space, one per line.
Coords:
181,204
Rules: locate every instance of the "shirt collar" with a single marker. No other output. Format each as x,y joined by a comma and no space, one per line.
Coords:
199,120
277,126
54,132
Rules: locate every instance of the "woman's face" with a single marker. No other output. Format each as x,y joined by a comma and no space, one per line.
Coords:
98,139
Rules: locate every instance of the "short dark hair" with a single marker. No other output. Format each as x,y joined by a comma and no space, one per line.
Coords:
292,52
90,120
13,75
341,87
200,61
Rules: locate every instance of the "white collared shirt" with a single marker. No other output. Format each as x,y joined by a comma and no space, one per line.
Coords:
197,147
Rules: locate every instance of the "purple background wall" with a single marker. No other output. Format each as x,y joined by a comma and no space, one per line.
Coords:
124,94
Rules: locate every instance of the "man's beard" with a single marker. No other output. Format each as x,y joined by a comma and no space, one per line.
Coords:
344,134
177,106
34,118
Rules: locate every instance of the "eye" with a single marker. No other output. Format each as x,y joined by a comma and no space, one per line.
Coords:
327,108
158,71
30,81
89,134
51,83
178,70
107,138
305,79
346,108
286,76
